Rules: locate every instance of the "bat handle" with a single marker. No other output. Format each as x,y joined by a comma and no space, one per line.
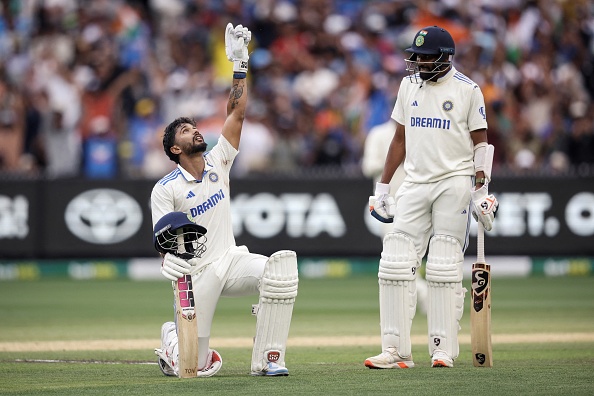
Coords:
480,243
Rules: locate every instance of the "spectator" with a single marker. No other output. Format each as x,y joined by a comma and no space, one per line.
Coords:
325,71
12,126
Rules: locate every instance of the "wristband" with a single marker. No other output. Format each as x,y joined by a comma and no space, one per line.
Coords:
240,66
381,188
480,180
239,75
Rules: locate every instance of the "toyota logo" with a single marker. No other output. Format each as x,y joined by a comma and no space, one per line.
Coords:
103,216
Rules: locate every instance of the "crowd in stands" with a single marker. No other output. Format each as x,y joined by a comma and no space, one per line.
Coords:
87,86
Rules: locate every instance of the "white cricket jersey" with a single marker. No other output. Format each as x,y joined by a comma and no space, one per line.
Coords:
208,201
438,118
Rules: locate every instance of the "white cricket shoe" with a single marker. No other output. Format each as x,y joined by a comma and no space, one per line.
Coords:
214,363
271,370
165,368
167,353
389,359
441,359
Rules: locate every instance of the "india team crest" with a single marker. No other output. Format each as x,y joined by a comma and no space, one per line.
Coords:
447,105
420,40
213,177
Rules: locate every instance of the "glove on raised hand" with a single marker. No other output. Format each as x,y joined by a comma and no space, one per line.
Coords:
174,267
484,207
382,205
236,47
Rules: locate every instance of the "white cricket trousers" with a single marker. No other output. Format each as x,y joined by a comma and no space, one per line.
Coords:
426,209
236,274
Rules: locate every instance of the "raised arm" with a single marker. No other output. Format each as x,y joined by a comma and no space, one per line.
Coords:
236,47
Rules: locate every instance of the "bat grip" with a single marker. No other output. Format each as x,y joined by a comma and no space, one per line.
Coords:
480,243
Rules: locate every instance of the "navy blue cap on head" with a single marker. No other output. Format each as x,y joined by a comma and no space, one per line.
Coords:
171,222
433,40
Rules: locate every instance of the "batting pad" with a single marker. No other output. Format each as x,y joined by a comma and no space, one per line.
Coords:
397,291
446,295
278,289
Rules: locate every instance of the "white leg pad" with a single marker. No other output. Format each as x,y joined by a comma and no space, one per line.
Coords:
397,291
446,294
278,289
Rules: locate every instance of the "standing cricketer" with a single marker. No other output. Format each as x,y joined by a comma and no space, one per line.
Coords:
375,152
441,135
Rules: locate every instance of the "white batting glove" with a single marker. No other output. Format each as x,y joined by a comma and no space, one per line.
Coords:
236,47
484,206
382,205
174,267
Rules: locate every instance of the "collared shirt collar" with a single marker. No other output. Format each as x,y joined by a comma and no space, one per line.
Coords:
207,168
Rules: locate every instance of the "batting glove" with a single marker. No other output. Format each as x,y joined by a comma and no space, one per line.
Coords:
382,205
484,207
174,267
236,47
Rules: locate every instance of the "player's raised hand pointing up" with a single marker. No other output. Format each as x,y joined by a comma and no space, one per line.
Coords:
237,40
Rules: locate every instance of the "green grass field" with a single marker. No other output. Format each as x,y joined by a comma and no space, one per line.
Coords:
543,336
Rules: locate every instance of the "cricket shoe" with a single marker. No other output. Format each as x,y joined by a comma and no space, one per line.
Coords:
166,368
272,370
271,367
389,359
214,363
441,359
168,352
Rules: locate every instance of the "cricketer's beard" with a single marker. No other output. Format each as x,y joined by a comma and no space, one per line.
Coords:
197,148
433,74
430,74
427,76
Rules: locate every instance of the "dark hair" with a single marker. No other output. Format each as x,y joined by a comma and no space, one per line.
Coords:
169,136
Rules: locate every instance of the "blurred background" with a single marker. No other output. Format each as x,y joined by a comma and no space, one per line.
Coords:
86,88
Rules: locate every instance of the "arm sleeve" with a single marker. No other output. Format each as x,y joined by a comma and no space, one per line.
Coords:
477,116
222,155
162,202
398,112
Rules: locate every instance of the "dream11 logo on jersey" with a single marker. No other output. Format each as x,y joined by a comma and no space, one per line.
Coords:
103,216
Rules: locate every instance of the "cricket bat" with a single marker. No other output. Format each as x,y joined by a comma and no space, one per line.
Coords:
480,312
187,329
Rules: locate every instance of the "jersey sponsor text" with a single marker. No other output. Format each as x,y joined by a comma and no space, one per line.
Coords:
208,204
429,122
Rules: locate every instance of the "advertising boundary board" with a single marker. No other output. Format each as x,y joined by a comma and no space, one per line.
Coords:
146,269
42,219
